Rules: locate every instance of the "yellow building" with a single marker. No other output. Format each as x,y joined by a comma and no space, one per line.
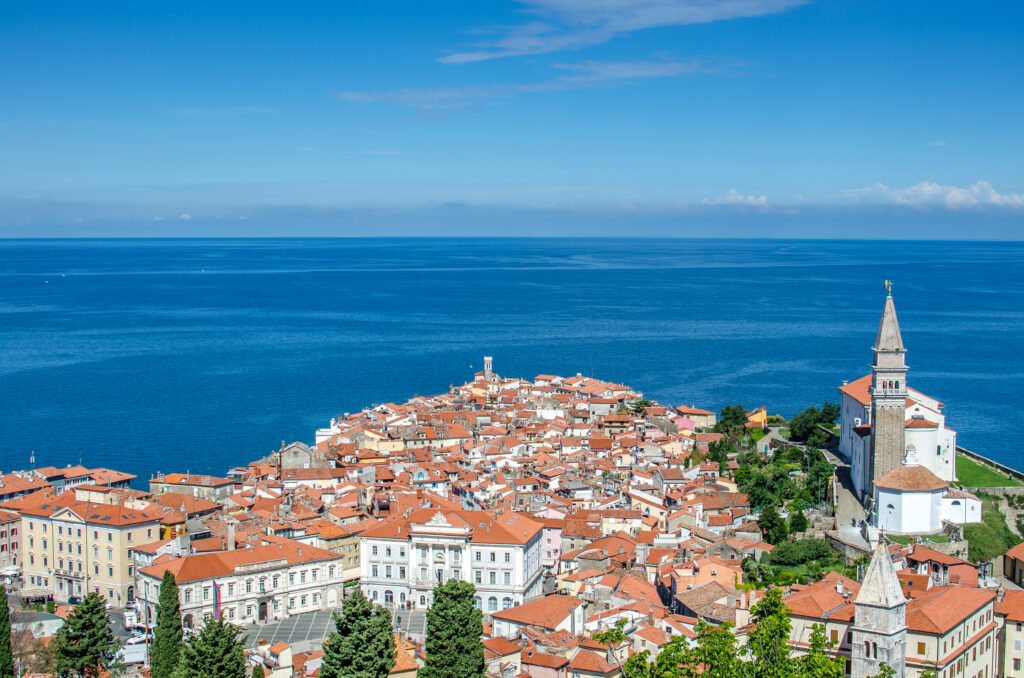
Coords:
72,547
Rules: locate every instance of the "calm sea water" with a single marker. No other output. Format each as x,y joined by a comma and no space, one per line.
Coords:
200,355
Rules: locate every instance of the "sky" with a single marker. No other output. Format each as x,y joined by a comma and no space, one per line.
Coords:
769,118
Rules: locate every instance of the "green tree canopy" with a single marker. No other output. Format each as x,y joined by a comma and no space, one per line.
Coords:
454,627
258,672
362,644
6,650
167,638
84,645
214,652
798,522
731,419
773,527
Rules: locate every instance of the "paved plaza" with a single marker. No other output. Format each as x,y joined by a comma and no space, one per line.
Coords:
302,631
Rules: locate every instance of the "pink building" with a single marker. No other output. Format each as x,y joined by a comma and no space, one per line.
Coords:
10,543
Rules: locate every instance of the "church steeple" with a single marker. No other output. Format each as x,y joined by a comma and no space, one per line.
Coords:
888,392
879,621
889,337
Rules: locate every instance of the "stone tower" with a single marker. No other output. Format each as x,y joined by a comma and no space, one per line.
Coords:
488,363
888,394
879,633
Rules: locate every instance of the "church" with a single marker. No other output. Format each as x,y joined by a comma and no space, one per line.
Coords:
902,455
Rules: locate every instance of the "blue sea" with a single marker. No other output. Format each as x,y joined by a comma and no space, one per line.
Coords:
200,355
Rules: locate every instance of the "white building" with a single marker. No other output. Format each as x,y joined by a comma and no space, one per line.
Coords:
902,454
260,583
406,557
925,428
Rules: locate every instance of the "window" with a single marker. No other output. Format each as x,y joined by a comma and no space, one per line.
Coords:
508,579
401,573
834,636
330,572
302,601
374,571
478,577
231,589
476,602
506,603
248,585
494,556
508,557
492,577
373,549
291,602
387,551
456,574
291,578
206,593
110,571
389,597
374,595
188,595
478,555
387,571
423,601
921,648
1016,665
110,554
492,604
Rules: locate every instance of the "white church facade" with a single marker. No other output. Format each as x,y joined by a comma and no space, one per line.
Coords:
902,455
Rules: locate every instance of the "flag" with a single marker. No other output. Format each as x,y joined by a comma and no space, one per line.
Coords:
216,600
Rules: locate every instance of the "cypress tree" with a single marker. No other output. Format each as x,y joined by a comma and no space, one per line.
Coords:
213,652
258,672
84,645
454,627
166,651
362,644
6,652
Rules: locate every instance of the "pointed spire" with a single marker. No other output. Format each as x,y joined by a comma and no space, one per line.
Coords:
889,338
881,586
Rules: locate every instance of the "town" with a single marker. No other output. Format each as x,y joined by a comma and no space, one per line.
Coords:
594,530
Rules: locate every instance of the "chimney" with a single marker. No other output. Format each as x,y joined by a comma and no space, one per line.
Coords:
231,535
839,587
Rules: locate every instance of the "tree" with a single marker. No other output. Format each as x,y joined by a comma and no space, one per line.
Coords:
798,522
719,451
773,527
454,627
802,424
214,652
257,672
167,643
731,419
817,661
362,643
640,407
767,641
84,646
6,649
829,413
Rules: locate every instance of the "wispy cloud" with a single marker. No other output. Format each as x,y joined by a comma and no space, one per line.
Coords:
560,25
927,193
937,143
588,74
223,112
734,197
185,217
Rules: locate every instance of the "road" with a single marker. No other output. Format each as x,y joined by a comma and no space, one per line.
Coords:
848,509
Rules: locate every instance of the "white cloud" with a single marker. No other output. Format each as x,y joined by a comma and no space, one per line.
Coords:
927,193
185,217
588,74
937,143
734,197
575,24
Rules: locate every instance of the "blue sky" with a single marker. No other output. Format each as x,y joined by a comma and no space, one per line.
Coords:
513,117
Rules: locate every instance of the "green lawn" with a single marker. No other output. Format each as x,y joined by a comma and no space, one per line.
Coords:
992,537
970,473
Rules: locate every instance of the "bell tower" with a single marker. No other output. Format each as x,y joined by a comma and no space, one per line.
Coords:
879,633
888,393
